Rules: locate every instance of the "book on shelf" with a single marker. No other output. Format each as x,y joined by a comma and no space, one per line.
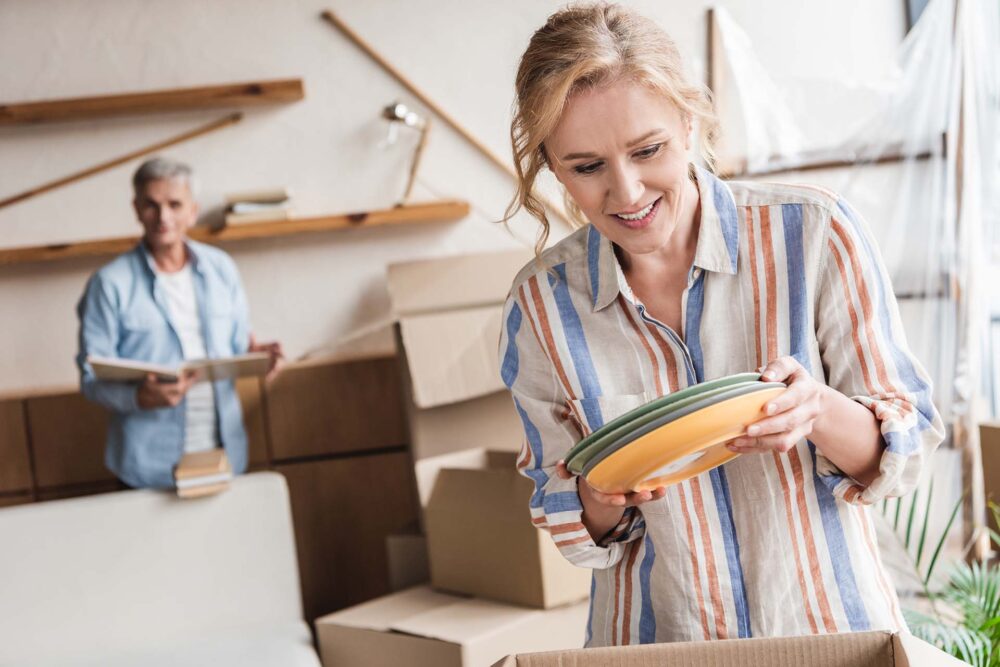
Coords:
263,196
222,368
266,214
202,473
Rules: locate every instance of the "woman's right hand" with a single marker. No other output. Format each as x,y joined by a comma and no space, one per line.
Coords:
602,511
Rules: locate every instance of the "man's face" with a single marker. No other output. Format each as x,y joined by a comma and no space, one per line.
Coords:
166,209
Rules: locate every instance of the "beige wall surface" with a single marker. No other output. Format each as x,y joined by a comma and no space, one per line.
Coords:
309,292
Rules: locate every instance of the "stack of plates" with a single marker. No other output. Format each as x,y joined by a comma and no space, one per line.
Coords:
672,438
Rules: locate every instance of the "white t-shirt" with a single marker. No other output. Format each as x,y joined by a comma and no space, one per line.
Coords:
202,431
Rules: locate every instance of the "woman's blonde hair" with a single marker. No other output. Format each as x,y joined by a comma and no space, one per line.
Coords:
586,46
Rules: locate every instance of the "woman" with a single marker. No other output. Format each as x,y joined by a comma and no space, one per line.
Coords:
676,278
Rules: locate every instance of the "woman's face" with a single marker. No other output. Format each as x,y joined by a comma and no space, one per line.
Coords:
621,152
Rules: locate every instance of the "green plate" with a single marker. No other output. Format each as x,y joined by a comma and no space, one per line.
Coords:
579,462
675,412
656,404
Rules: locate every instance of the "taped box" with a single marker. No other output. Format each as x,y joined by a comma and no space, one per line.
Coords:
420,627
989,440
480,538
862,649
448,314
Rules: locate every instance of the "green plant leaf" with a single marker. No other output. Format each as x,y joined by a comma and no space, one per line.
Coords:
926,522
941,541
909,520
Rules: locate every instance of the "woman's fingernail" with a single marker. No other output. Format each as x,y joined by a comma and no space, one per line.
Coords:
770,409
753,430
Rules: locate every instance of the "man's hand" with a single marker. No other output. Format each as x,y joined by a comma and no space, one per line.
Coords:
155,394
274,349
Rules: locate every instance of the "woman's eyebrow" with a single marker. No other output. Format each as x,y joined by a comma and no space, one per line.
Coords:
638,140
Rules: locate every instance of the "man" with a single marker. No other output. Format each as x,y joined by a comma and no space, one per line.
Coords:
168,299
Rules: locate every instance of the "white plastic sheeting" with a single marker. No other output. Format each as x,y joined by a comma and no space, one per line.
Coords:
934,210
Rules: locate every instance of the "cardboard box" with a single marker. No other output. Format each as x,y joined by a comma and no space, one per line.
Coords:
863,649
449,314
422,628
480,538
406,556
989,440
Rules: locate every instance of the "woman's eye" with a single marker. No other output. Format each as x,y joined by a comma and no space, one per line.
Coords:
649,151
588,168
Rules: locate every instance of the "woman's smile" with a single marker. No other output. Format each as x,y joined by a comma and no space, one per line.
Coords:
641,218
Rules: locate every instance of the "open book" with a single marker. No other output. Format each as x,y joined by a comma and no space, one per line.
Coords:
224,368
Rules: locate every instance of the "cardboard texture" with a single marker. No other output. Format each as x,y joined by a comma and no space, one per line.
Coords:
989,440
480,538
423,628
449,315
863,649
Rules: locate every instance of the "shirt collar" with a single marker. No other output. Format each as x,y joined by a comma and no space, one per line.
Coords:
193,257
718,242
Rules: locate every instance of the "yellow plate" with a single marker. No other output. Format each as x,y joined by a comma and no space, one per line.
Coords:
680,449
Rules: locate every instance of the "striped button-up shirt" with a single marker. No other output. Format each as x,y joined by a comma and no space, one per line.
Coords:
768,544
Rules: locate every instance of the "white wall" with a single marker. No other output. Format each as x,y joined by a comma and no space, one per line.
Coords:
309,291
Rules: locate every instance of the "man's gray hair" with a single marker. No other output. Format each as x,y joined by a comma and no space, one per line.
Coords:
157,169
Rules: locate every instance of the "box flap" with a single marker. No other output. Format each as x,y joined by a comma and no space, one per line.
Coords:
427,470
452,356
384,612
862,649
451,283
913,652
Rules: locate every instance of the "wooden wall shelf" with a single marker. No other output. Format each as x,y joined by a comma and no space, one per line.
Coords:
438,211
155,101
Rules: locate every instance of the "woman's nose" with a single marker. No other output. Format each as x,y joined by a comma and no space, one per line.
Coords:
626,187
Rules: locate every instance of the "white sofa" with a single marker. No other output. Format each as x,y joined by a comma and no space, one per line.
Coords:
143,578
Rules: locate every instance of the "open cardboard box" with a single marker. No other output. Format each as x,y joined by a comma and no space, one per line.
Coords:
480,538
449,314
423,628
862,649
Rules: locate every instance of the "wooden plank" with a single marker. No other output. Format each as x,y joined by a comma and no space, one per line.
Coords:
439,211
336,408
17,499
228,95
340,530
122,159
15,464
81,490
67,437
251,401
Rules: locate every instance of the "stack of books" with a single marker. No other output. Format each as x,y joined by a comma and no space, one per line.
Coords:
258,206
203,473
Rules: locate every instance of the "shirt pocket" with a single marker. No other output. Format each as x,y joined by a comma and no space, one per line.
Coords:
592,413
142,319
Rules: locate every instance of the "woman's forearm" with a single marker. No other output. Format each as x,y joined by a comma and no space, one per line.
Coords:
847,433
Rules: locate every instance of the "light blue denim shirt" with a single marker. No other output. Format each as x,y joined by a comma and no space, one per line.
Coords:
123,313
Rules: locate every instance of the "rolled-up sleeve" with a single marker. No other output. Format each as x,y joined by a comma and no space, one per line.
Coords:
98,336
549,434
866,357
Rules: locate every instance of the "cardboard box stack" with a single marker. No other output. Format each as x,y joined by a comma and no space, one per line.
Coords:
479,537
989,440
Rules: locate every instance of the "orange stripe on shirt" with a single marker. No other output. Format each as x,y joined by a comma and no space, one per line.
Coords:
721,626
858,350
546,329
627,616
866,305
625,307
695,569
767,248
790,518
748,216
808,536
563,528
860,514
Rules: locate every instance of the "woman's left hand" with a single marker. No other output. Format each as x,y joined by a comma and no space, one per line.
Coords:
791,415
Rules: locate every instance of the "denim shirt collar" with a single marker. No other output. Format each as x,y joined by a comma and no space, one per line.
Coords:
193,254
717,249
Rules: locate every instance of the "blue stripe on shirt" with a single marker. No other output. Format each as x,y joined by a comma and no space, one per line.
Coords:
576,341
843,570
